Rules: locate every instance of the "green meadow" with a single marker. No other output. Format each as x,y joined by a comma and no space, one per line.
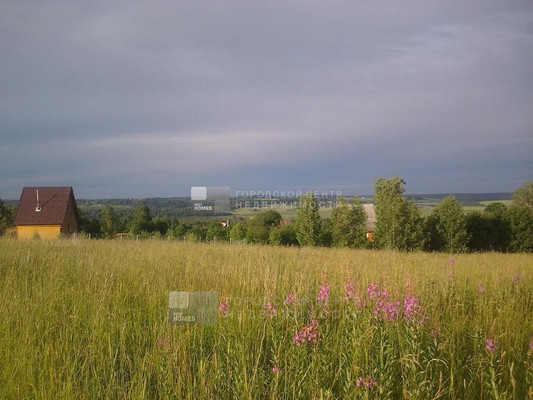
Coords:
88,319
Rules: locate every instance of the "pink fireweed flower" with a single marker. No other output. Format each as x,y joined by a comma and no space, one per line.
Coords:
291,300
491,345
481,288
387,310
366,382
308,334
371,290
269,311
517,278
349,292
276,370
360,303
374,293
350,296
451,262
451,277
531,343
299,338
323,296
223,308
412,312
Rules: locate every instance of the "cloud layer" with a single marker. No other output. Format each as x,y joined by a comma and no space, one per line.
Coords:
140,99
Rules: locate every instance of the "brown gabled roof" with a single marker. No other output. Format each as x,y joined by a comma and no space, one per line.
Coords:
53,202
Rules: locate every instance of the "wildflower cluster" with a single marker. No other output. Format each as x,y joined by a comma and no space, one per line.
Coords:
323,297
349,292
491,345
412,312
374,293
308,334
366,382
384,309
223,308
269,311
292,300
350,296
387,310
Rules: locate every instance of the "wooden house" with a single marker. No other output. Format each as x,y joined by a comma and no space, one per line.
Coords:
46,212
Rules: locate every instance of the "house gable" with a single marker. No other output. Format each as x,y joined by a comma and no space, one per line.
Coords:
48,206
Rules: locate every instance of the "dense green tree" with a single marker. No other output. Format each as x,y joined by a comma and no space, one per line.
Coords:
140,221
160,225
523,197
413,233
6,217
390,216
451,225
520,221
433,241
216,232
348,224
256,231
500,229
110,222
91,227
308,225
481,232
178,231
495,209
283,235
326,233
258,228
271,218
238,232
399,222
198,231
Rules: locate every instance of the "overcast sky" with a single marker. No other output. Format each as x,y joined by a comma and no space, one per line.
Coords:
148,98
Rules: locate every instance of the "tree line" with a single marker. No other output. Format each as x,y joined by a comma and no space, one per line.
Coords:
399,224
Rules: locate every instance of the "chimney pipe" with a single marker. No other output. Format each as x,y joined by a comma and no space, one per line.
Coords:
38,208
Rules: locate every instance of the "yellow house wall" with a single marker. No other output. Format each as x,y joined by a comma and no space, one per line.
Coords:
44,231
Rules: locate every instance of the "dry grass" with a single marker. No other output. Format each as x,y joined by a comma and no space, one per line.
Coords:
89,320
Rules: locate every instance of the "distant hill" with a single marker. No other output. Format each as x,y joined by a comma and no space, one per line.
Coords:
180,207
464,197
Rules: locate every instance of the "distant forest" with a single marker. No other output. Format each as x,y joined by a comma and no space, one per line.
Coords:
411,222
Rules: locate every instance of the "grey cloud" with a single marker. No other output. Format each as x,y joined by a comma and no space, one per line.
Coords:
270,93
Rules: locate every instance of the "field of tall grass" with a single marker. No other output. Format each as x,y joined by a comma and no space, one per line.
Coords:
83,319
